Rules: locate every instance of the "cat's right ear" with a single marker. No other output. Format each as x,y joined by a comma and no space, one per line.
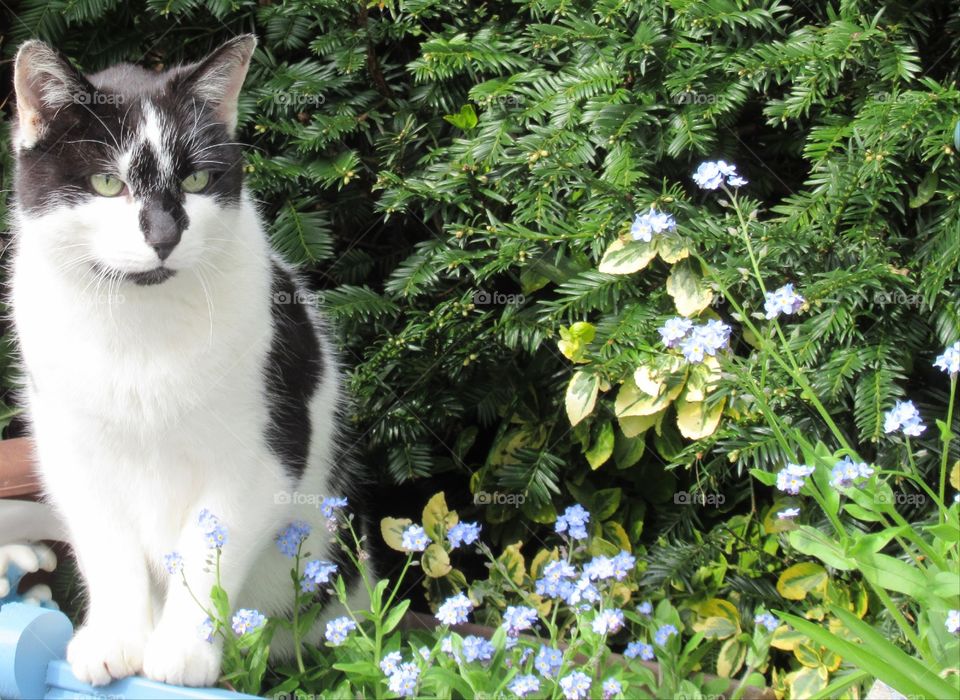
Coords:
44,83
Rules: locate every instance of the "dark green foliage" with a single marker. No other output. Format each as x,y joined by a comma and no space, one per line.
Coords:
423,158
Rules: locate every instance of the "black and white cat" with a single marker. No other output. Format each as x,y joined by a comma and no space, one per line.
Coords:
172,362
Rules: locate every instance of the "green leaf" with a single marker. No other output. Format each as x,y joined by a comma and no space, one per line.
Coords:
809,540
892,574
465,119
925,190
800,579
395,616
602,448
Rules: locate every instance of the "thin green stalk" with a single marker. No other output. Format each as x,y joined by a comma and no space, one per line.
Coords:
298,652
903,624
947,438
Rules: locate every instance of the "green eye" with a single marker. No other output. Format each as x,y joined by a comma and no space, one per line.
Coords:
106,185
195,182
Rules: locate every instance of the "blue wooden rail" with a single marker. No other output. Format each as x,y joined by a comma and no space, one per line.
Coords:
33,643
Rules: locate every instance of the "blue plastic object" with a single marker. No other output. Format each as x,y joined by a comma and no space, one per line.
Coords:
33,643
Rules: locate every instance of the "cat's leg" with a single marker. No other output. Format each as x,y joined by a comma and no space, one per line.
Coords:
119,620
176,652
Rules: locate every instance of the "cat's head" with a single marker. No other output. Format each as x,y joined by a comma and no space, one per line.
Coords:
127,173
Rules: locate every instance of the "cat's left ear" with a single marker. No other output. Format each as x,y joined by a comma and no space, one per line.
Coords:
218,78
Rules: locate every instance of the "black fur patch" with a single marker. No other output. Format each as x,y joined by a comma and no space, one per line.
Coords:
294,371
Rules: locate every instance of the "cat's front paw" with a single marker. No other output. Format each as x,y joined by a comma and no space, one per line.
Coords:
180,657
98,654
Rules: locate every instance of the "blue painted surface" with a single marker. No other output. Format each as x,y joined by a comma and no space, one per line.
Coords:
33,643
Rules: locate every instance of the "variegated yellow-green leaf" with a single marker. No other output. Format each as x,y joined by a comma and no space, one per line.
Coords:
702,379
626,257
439,589
542,558
955,475
648,380
581,396
807,682
602,448
435,561
690,294
807,655
719,608
634,426
613,531
437,519
800,579
392,531
505,449
786,638
512,563
731,657
696,420
671,248
714,627
631,401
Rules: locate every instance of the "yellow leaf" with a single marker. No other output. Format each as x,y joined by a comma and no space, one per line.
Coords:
696,420
614,532
786,639
807,682
435,561
437,519
800,579
513,563
632,426
807,655
715,627
392,531
955,475
626,257
719,608
690,294
631,401
648,380
581,396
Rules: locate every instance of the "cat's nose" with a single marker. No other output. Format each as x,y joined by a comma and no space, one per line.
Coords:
161,230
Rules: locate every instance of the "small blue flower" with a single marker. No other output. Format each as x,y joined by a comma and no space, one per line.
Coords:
600,568
953,621
611,687
693,348
555,581
289,539
463,533
623,564
664,633
580,593
710,175
207,521
390,663
338,630
403,681
766,620
645,608
315,574
415,539
454,610
246,621
477,649
573,522
173,562
575,686
903,415
715,335
782,301
646,225
330,505
548,661
608,621
446,646
675,330
846,472
788,514
949,361
216,538
205,630
641,649
516,619
792,478
521,686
